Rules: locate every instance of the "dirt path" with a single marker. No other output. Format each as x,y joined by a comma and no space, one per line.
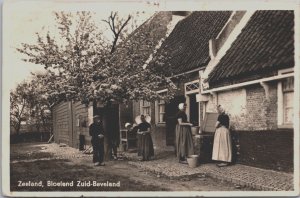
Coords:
46,163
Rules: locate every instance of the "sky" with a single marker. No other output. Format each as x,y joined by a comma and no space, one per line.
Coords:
23,18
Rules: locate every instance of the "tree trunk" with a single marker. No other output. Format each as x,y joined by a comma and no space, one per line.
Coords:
18,127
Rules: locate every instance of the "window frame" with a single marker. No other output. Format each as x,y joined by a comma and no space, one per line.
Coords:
281,103
145,106
284,91
158,103
194,82
187,94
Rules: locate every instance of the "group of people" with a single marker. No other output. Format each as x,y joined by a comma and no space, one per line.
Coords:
222,150
143,131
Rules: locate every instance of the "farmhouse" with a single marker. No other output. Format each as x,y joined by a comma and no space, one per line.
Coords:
188,49
243,60
253,79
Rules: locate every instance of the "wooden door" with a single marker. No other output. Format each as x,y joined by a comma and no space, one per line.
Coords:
194,110
110,120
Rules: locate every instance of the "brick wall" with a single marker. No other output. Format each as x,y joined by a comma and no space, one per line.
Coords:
233,101
257,141
261,112
270,149
248,107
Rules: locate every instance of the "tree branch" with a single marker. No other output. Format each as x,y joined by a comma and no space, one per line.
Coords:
124,24
111,28
116,32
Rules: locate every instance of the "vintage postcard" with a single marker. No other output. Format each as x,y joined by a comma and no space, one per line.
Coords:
150,98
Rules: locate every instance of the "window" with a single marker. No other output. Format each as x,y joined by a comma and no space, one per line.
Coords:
288,95
160,108
285,102
146,108
161,111
192,87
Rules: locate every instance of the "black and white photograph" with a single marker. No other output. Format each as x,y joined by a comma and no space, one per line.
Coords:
150,98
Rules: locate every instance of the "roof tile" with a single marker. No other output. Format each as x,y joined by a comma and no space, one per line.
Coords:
188,44
265,45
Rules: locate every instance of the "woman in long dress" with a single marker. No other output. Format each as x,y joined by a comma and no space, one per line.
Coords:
222,149
184,140
145,144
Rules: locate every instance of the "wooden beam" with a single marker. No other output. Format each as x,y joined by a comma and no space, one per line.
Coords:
248,83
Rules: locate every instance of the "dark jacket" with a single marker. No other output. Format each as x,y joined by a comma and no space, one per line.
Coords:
224,120
95,130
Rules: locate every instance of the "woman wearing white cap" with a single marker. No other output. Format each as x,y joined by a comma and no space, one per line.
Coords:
222,150
184,141
145,144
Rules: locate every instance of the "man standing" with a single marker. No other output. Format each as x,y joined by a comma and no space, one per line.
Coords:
97,133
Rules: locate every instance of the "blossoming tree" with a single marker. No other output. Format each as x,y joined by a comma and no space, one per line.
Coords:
82,65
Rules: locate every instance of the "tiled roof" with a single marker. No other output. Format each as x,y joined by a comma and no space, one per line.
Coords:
265,45
187,46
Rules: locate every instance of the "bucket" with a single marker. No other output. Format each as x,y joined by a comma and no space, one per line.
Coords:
193,161
195,130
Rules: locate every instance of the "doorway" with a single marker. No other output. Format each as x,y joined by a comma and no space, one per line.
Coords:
171,121
193,110
110,119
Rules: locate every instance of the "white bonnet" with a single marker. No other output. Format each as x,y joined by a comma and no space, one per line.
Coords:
127,124
181,106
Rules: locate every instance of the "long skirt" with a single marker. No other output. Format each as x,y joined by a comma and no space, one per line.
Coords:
184,141
145,146
139,144
222,149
